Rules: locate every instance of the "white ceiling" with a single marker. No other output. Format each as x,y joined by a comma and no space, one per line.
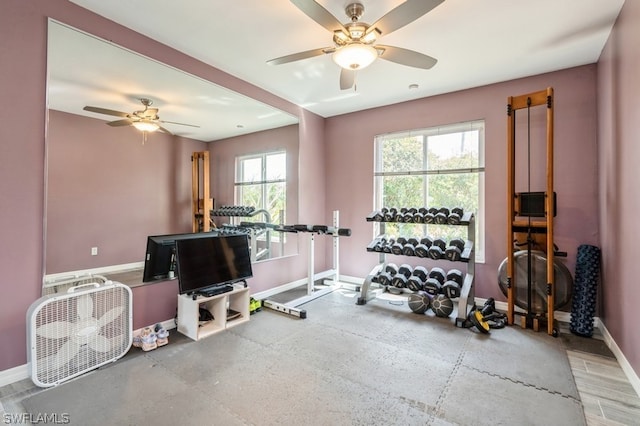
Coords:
476,43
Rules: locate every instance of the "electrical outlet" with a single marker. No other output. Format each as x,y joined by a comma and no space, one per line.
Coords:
94,251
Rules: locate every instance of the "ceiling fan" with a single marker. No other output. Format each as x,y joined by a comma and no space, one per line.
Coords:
355,41
146,120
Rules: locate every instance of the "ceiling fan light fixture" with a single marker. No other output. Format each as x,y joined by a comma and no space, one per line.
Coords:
355,56
146,126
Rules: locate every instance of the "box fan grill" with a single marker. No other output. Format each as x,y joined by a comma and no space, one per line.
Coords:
70,333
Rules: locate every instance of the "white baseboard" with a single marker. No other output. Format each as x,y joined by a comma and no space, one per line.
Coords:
14,374
622,360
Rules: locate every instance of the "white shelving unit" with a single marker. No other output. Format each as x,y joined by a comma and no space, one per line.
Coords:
219,305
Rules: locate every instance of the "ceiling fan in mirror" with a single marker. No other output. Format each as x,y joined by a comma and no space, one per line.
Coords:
146,120
355,42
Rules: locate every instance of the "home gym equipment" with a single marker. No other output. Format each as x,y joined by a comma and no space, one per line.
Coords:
454,251
455,216
441,216
201,203
587,275
419,302
335,231
415,283
519,216
422,249
436,251
531,267
453,283
442,306
422,281
421,272
486,318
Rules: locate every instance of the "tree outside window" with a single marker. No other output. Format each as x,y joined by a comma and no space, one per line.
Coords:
435,167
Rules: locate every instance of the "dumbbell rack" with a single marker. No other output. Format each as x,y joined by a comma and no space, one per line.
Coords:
466,301
254,233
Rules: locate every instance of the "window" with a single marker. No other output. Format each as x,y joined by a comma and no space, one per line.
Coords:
261,182
436,167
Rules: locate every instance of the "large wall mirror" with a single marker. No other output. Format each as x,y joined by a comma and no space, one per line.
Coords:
109,187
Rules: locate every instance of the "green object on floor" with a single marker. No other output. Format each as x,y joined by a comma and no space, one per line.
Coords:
254,306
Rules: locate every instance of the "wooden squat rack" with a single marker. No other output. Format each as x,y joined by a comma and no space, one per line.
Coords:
542,227
201,203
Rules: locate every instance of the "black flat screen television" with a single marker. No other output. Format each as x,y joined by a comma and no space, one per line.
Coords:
160,257
205,263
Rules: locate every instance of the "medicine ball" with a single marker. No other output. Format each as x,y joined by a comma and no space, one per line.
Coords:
442,306
419,302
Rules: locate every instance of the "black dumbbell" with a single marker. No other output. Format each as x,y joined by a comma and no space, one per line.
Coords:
386,248
421,272
418,217
390,215
375,216
396,248
453,284
391,268
442,216
455,216
430,215
422,249
399,281
454,251
374,243
438,273
409,249
414,283
433,284
405,270
384,278
436,251
407,217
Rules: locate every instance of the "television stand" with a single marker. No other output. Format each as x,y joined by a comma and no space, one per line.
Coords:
228,309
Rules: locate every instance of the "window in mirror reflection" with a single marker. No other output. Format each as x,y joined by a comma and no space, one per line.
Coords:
261,182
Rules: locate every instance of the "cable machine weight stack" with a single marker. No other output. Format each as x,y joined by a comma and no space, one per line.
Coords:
519,217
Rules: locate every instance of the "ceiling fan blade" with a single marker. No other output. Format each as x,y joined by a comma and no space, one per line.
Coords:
180,124
105,111
319,14
301,55
407,57
347,78
163,130
402,15
118,123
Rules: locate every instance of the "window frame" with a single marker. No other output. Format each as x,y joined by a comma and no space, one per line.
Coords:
239,183
425,134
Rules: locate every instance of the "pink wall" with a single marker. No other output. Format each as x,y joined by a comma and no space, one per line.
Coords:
350,138
106,189
23,30
619,154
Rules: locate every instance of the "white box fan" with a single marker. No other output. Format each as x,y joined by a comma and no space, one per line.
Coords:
70,333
